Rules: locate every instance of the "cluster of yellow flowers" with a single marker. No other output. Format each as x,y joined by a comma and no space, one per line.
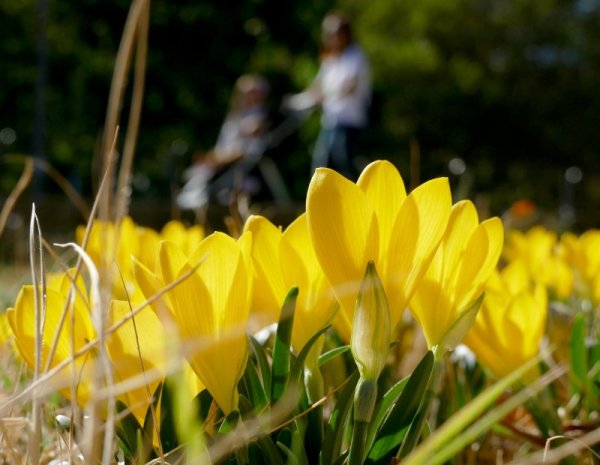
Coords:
432,257
568,266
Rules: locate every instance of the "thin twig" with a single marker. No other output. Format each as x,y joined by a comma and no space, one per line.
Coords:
20,187
574,446
137,99
117,90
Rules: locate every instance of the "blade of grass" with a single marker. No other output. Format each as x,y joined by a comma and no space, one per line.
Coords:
450,449
460,420
36,256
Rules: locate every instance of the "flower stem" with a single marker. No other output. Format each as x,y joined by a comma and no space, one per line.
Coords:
365,397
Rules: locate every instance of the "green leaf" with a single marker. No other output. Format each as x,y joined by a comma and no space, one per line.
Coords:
254,388
292,445
204,402
282,346
126,430
383,407
291,458
298,448
313,434
335,431
461,326
298,364
229,423
579,356
145,437
263,364
168,431
270,454
401,414
284,437
328,356
255,455
341,459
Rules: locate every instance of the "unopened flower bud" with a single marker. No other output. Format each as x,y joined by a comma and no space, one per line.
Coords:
371,328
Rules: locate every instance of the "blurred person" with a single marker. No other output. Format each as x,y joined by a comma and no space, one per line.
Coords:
246,122
240,144
342,88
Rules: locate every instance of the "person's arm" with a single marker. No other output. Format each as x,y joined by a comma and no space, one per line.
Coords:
308,98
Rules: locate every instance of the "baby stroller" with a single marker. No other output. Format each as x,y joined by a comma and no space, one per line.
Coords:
206,184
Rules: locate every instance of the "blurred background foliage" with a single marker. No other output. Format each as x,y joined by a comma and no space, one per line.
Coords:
504,92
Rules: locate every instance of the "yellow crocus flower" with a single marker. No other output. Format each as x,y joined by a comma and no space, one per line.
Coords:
76,331
111,248
187,239
583,254
458,272
510,325
4,329
352,224
538,249
533,247
281,261
137,352
210,308
132,350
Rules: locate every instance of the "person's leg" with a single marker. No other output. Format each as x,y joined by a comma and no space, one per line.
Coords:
322,150
342,151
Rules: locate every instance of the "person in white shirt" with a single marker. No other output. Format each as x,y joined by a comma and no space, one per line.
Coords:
343,89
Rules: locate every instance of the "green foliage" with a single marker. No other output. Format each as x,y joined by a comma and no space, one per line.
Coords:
398,410
501,85
281,349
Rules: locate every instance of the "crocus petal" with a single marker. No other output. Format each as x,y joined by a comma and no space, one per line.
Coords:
187,239
480,258
344,234
419,227
136,349
226,277
150,284
269,288
316,303
148,241
297,258
385,191
69,339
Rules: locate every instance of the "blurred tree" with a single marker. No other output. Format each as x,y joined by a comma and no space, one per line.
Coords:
509,87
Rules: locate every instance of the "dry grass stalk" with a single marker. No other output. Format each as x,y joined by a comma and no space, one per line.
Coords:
39,286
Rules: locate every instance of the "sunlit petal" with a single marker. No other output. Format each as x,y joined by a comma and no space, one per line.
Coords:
419,227
269,287
344,234
385,191
316,303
